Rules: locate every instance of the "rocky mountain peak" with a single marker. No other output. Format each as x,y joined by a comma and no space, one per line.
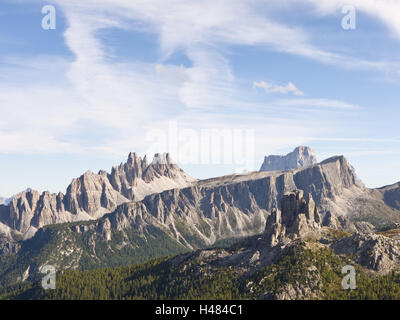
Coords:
298,158
135,161
162,158
163,166
132,156
91,195
299,217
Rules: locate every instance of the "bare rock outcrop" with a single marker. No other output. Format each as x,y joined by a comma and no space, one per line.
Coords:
372,251
343,223
298,218
299,158
330,220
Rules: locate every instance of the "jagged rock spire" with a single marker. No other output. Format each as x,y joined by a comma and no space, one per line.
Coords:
162,158
299,217
92,195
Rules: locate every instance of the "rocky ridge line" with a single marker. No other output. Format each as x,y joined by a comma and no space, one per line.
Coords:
92,195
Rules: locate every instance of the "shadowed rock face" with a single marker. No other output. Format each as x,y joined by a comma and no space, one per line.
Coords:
92,195
391,195
299,218
299,158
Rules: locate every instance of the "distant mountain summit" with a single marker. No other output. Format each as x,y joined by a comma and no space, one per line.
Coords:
299,158
5,201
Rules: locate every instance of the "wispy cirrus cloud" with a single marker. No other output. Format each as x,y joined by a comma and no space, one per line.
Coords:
318,103
181,25
387,11
97,103
129,95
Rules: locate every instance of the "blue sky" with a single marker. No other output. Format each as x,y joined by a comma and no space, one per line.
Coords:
115,75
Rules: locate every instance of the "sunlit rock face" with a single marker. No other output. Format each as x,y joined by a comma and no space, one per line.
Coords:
299,158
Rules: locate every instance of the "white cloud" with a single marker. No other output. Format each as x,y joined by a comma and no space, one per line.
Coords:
47,102
318,103
132,96
388,11
185,25
269,87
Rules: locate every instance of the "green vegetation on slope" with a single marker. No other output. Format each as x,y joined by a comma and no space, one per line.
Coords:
59,246
316,273
319,273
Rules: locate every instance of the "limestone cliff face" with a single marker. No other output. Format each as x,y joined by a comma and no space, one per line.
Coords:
299,158
92,195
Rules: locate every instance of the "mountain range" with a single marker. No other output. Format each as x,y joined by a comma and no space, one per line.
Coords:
141,211
295,257
92,195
